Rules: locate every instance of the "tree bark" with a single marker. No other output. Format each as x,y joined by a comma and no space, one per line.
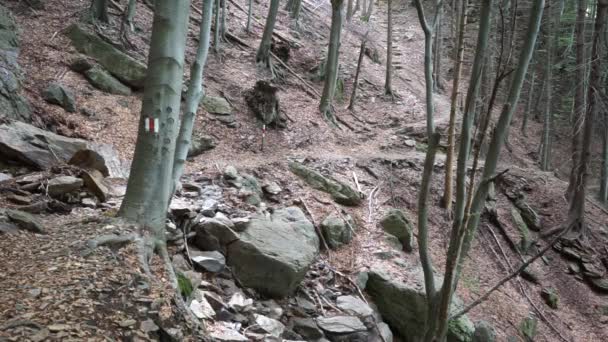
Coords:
331,65
149,185
449,164
388,90
263,55
194,94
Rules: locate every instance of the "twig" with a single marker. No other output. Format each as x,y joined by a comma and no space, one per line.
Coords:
314,223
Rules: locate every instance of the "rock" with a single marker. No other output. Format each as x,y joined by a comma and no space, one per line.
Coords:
273,254
214,234
201,144
25,221
340,192
269,325
63,185
18,199
336,231
272,188
525,240
402,303
528,328
307,328
12,104
58,94
238,302
230,173
211,261
529,215
102,80
216,105
124,67
484,332
201,308
398,224
339,325
354,306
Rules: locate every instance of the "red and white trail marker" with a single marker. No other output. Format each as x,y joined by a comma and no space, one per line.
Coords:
151,124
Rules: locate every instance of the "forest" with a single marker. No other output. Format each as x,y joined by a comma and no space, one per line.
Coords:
304,170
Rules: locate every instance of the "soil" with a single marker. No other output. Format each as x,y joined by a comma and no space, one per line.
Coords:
95,293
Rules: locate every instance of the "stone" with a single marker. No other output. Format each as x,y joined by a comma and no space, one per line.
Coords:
525,239
399,225
124,67
269,325
272,188
216,105
201,308
63,185
354,306
341,324
230,173
58,94
102,80
484,332
93,180
211,261
549,295
200,144
26,221
340,192
529,327
307,328
12,104
274,253
336,230
529,215
402,302
214,234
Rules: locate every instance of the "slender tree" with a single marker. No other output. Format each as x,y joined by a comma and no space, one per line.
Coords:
150,181
332,61
194,94
263,55
99,10
449,164
388,89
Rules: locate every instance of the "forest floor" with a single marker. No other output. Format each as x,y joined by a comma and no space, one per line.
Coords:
78,290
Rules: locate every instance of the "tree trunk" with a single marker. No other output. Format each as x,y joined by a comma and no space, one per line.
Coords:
353,95
576,219
579,95
194,95
99,10
249,12
331,65
149,185
388,90
446,200
263,55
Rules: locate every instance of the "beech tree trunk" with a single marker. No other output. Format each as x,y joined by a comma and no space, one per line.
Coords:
331,64
194,95
388,90
150,181
263,55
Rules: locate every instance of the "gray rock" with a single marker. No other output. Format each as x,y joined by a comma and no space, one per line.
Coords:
63,185
217,105
58,94
484,332
273,254
354,306
12,104
102,80
269,325
402,304
336,231
211,261
307,328
124,67
341,324
340,192
399,225
25,221
201,144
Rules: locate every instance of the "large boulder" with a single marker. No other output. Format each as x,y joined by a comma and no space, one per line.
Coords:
102,80
122,66
398,224
274,253
12,104
60,95
340,192
401,299
33,147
